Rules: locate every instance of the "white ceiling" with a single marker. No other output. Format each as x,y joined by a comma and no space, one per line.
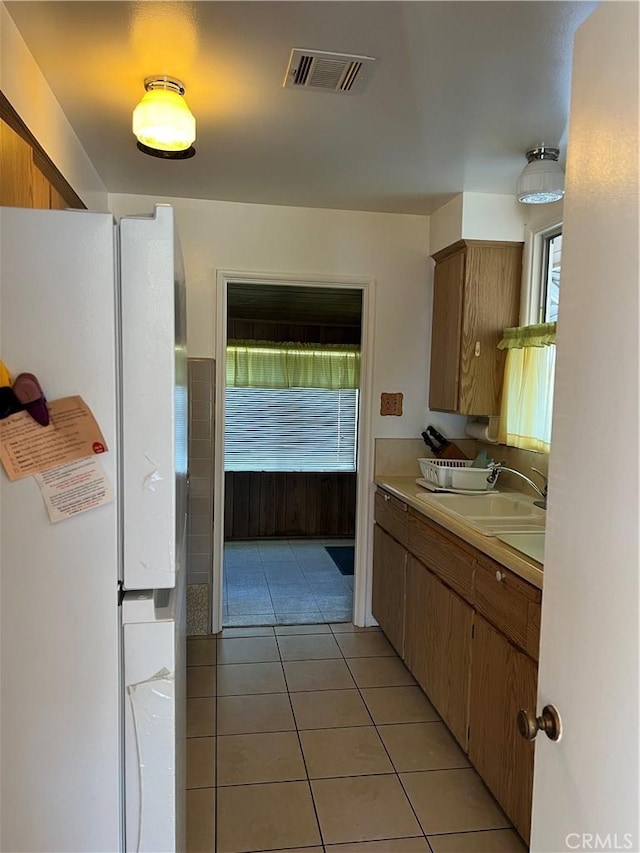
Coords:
459,91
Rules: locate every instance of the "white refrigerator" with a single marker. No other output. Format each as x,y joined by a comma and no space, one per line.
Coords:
92,608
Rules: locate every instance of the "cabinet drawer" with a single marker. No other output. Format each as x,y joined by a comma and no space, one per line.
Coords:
509,603
441,554
391,515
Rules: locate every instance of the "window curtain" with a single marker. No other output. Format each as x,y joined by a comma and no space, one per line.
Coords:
527,394
264,364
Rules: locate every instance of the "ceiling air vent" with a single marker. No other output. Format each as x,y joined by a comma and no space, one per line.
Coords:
331,72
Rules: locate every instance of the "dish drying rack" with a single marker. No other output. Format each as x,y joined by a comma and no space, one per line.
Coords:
455,473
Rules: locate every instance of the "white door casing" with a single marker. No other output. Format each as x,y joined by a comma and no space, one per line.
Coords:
586,785
364,490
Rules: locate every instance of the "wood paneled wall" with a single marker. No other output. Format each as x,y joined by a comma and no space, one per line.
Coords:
260,504
28,178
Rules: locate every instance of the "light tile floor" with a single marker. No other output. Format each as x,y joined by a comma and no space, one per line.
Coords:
316,738
284,582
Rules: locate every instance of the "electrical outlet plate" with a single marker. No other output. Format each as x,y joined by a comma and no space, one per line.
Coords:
391,404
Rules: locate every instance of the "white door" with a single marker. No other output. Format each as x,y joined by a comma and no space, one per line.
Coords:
586,785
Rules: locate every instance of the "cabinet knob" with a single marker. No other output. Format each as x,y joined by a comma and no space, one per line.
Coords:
550,723
387,497
476,352
500,576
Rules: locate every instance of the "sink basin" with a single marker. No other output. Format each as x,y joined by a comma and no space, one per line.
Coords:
531,544
491,514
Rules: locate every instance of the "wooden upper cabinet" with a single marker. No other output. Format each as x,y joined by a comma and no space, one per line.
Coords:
476,294
28,176
445,333
15,169
56,201
40,188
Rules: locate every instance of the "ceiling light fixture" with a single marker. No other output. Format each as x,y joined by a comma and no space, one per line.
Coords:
162,122
542,179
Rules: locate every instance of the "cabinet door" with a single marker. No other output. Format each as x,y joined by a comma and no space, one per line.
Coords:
388,593
15,169
438,645
491,303
57,202
503,681
40,188
448,283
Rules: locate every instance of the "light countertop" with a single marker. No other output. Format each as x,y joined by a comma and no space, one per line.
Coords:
406,489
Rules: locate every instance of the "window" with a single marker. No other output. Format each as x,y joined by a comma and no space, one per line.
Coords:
550,284
527,395
290,429
291,406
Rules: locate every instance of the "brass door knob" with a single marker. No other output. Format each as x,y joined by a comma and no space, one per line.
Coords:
549,722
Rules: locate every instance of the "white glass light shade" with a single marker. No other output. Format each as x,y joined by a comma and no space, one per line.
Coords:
162,120
541,182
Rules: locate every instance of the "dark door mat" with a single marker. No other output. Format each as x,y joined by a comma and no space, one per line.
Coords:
342,556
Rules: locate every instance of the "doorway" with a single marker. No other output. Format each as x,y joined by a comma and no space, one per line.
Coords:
293,377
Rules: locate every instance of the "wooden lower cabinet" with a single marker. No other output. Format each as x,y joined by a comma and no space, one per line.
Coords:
438,626
503,680
468,630
388,593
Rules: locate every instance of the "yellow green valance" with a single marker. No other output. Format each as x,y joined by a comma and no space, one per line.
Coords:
538,335
265,364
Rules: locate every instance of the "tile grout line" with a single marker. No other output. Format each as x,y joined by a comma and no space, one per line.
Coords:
384,746
304,760
307,578
395,772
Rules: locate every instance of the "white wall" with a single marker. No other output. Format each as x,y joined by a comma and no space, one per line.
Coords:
478,216
492,217
23,84
393,249
446,224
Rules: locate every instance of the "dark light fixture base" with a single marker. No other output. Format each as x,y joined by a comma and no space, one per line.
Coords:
167,155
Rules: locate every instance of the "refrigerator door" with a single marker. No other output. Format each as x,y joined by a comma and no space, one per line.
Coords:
154,399
60,767
154,720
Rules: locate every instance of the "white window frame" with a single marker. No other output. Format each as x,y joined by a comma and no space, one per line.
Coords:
544,224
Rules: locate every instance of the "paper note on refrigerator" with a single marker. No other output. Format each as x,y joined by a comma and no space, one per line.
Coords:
73,488
28,448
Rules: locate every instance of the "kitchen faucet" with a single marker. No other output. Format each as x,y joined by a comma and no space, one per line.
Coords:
500,466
